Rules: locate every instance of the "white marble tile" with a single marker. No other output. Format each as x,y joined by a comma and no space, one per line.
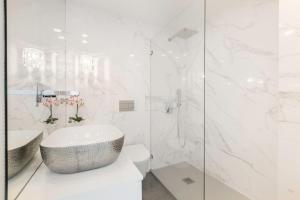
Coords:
241,103
241,88
289,96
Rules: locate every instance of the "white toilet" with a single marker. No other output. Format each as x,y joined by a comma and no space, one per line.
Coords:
140,156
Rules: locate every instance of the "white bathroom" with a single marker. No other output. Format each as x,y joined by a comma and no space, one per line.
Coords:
150,100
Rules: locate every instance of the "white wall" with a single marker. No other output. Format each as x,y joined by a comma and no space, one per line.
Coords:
2,147
289,88
241,95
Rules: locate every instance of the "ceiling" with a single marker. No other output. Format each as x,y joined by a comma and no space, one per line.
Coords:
156,12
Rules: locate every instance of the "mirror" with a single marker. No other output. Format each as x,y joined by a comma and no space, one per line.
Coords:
36,55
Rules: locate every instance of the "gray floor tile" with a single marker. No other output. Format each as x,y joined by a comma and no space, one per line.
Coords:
154,190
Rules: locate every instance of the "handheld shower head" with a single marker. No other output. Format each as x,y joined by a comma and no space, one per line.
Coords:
179,97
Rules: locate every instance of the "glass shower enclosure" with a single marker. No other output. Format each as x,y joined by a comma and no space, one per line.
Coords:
213,101
177,103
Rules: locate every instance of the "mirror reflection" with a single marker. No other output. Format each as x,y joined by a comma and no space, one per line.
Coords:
36,58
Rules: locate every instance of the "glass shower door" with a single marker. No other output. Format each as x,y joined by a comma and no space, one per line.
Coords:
177,103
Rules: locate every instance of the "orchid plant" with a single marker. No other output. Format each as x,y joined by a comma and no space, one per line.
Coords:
77,102
49,103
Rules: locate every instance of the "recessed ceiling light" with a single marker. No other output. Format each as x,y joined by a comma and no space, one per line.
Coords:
61,37
57,30
132,55
85,35
84,41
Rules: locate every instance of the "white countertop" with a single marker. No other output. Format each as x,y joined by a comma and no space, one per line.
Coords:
46,185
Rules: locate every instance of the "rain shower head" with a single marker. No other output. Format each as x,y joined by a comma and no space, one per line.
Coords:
184,33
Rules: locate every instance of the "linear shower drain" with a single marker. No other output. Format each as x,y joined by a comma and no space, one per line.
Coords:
188,180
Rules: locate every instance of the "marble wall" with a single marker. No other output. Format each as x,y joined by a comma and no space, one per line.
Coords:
289,96
177,133
241,95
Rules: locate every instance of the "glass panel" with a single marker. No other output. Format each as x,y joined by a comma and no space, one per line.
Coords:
177,103
36,60
241,100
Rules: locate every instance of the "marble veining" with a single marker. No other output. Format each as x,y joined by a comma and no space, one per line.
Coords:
241,96
289,96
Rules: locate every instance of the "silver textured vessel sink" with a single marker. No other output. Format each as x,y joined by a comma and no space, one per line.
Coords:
76,149
22,146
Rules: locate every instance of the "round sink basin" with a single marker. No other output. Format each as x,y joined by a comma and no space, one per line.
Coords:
77,149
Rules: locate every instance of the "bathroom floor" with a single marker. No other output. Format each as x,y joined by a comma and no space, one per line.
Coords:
154,190
185,182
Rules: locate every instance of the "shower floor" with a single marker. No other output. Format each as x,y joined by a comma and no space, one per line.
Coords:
185,182
154,190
